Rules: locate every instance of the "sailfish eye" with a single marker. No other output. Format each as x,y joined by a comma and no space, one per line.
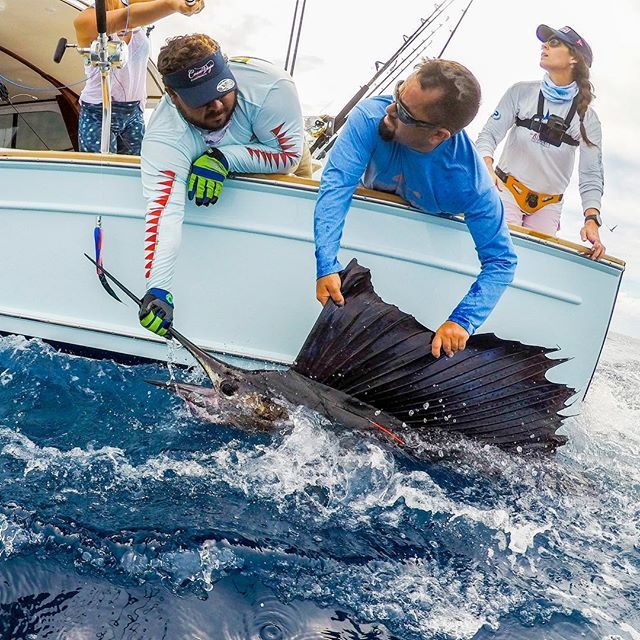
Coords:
228,388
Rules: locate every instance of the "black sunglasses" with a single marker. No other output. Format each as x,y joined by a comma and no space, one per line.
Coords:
405,117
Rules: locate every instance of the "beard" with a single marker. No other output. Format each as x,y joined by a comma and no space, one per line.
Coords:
385,132
205,118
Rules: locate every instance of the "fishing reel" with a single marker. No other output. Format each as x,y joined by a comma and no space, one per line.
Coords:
115,55
317,126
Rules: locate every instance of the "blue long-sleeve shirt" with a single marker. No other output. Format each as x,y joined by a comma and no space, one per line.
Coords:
448,180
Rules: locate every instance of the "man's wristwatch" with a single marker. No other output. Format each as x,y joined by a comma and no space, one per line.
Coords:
595,217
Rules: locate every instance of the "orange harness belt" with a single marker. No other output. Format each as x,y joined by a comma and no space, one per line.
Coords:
529,201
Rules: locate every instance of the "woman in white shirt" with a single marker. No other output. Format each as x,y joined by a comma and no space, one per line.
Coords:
547,121
125,19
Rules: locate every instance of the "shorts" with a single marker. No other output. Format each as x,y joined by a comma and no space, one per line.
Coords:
127,128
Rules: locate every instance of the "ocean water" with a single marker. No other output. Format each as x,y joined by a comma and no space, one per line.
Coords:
124,517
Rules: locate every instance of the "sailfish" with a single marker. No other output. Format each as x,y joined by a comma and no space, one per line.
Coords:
368,366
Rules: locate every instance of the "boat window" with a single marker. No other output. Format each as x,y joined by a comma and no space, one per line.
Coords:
34,126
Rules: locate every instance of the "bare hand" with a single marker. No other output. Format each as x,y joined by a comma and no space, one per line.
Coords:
494,178
189,9
451,337
329,287
591,233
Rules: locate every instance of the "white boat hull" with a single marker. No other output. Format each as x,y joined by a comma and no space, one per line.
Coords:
245,277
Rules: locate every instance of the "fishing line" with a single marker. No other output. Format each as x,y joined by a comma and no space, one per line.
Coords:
446,44
40,89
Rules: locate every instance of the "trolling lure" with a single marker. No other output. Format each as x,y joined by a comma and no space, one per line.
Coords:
97,238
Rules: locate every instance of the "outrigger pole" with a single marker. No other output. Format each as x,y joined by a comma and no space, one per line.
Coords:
296,28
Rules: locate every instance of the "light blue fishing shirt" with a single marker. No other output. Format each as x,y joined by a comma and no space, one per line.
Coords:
265,135
450,179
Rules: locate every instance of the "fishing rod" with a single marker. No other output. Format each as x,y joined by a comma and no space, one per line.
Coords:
293,27
295,50
340,119
104,63
408,60
394,73
104,54
385,75
446,44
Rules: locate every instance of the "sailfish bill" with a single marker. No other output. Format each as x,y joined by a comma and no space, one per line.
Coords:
368,366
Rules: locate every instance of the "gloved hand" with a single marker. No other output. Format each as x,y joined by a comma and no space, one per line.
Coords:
156,311
207,176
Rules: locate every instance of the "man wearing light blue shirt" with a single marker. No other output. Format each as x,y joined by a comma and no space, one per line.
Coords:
413,145
218,116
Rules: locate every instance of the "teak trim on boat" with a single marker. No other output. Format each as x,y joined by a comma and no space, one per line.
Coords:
114,159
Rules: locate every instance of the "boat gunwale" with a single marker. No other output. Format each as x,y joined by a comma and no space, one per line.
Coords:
307,184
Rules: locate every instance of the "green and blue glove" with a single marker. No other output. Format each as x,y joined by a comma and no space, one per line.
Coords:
156,311
208,173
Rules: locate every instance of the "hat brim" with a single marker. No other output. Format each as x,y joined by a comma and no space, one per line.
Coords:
544,33
212,89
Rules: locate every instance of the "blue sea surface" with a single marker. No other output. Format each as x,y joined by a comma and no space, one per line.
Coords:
122,516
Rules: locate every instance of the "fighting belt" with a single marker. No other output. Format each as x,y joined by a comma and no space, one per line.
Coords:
529,201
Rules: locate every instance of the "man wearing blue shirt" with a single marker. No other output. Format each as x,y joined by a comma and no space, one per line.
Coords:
412,144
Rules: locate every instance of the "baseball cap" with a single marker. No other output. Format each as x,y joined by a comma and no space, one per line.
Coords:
568,35
202,81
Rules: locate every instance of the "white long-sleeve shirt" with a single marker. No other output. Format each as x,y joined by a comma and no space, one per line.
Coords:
265,135
539,165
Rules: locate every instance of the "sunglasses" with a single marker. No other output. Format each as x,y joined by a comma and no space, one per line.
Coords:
405,117
556,42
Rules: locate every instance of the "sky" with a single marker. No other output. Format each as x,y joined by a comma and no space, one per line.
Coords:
341,41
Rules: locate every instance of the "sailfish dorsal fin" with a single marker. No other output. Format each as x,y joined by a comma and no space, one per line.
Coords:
495,390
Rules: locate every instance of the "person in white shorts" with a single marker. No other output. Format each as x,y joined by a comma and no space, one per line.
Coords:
546,122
